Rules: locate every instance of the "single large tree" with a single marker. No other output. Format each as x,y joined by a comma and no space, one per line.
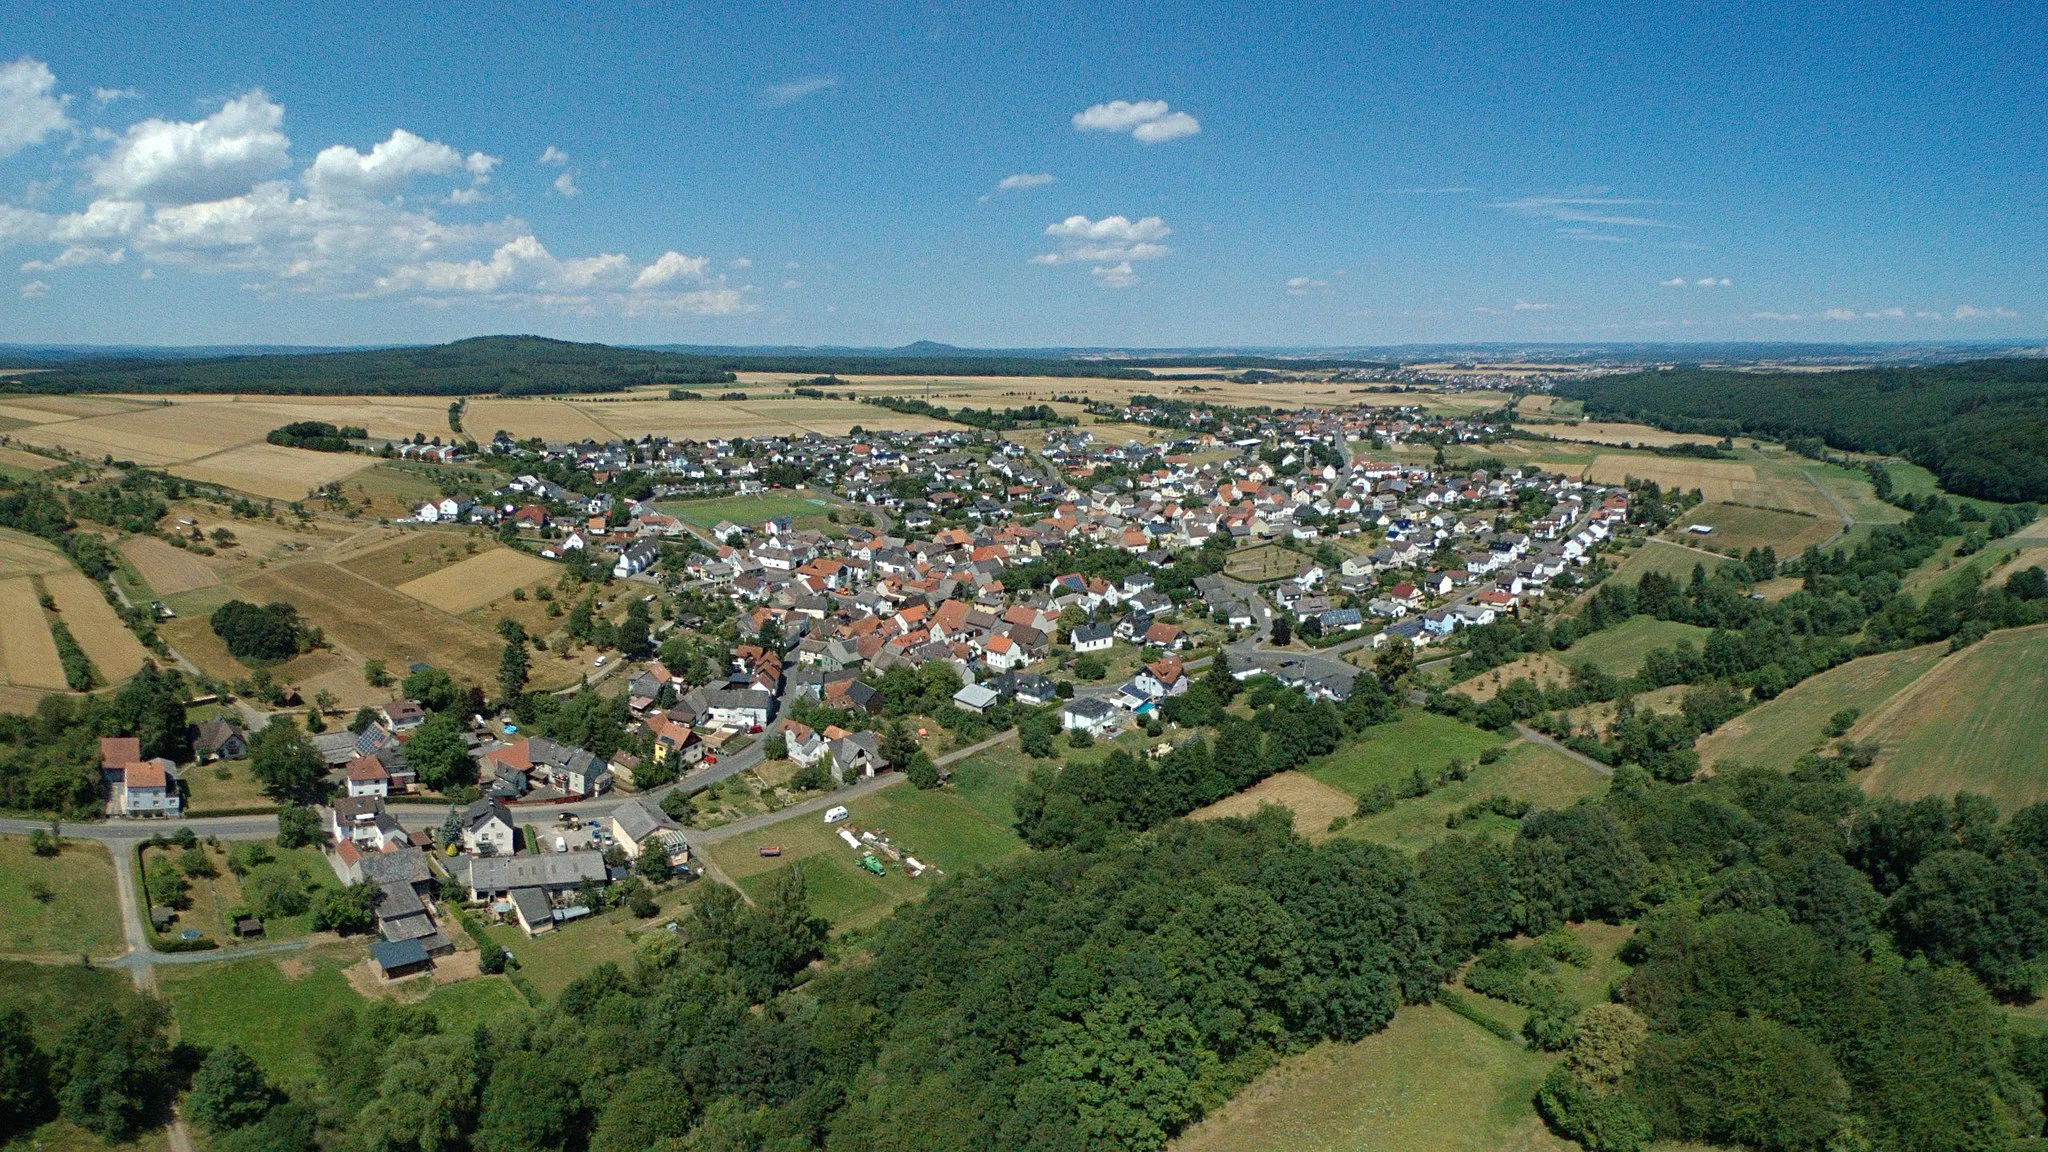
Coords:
284,762
229,1091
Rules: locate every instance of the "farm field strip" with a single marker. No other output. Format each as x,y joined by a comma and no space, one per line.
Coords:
378,621
165,569
25,644
274,471
112,647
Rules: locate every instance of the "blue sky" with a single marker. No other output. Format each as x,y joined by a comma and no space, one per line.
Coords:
1009,175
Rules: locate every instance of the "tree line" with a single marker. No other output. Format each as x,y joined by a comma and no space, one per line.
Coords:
1978,426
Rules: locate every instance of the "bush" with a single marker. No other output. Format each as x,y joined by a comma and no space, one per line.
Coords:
1079,738
922,772
1600,1122
297,827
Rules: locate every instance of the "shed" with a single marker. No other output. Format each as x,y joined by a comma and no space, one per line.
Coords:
396,958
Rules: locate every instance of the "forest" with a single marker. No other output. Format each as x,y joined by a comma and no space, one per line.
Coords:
1978,426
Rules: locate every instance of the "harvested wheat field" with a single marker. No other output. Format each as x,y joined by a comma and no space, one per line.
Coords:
413,553
26,461
376,621
25,555
522,419
1313,802
475,582
166,569
95,626
25,644
1714,478
277,472
164,434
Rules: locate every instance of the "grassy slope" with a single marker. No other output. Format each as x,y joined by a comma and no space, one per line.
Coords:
1973,723
1777,731
1620,649
82,915
1389,753
1432,1080
1533,772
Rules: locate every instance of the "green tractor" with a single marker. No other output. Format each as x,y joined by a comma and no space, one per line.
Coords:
869,862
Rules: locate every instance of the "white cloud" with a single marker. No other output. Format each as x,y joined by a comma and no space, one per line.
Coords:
1592,235
1776,316
1886,314
1147,121
792,285
76,256
1108,240
101,97
790,91
188,162
1024,180
1970,312
1303,285
565,186
553,155
33,289
1839,314
1532,306
1674,282
30,109
741,262
672,266
340,170
1591,206
1711,282
1114,275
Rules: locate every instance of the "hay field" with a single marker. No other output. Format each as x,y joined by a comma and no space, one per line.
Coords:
1716,479
1661,556
475,582
91,619
703,419
1619,650
1777,731
1313,802
376,621
25,644
1973,723
274,471
1741,526
166,569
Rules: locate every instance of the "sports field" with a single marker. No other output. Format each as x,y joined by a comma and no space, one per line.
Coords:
1972,723
1777,731
1619,649
472,583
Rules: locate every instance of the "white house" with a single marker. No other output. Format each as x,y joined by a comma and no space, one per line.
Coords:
1090,715
487,828
147,788
1092,638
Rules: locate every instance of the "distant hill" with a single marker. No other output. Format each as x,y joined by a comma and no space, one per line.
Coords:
1981,426
533,365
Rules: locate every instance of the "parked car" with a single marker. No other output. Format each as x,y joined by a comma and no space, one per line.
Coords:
561,844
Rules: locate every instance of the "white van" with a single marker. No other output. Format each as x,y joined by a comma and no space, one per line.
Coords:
561,844
835,814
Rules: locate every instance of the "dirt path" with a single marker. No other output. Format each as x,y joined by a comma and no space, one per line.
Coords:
1535,737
